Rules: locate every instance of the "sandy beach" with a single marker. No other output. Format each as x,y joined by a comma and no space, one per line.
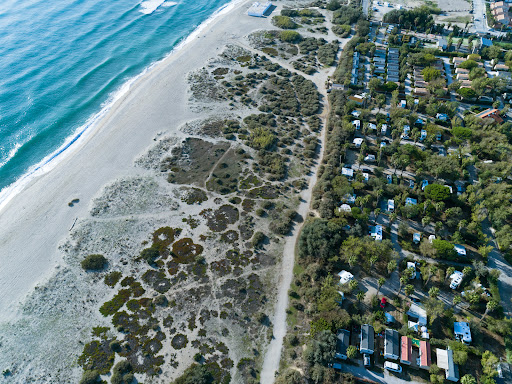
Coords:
38,218
106,195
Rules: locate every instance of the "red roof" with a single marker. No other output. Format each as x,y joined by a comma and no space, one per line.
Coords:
425,354
492,113
406,350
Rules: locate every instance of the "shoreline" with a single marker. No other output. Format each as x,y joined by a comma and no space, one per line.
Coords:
36,219
74,142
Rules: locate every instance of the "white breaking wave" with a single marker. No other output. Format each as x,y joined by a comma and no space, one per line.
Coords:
11,154
150,6
169,4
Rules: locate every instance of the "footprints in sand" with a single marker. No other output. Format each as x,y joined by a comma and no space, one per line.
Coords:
73,202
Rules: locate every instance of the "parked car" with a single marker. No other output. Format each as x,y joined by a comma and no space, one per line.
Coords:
394,367
383,302
366,360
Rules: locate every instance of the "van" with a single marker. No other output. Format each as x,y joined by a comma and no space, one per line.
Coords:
394,367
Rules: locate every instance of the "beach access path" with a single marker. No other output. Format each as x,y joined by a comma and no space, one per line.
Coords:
38,218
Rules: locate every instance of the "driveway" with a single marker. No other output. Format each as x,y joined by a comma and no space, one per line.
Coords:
377,376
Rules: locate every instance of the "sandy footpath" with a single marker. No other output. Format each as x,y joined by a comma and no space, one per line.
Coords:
38,218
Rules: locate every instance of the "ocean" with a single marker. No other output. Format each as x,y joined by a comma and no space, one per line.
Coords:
64,62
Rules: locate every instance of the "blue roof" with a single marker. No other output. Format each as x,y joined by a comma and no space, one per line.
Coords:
486,42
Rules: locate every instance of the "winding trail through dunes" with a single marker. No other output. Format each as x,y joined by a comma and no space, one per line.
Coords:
273,353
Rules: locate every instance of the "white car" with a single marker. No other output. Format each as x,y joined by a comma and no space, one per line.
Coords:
394,367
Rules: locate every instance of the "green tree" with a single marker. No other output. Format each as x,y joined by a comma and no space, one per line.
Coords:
467,93
468,64
320,239
491,306
360,296
409,289
351,351
489,362
321,348
380,283
468,379
430,73
391,266
290,376
433,292
449,272
444,249
437,192
429,271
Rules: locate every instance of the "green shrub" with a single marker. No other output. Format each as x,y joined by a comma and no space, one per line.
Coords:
90,377
342,30
195,374
112,278
284,22
290,36
150,254
94,263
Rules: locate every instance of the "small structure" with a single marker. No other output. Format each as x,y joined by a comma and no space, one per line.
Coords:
442,116
372,126
407,130
259,9
384,129
376,232
416,237
367,339
366,176
459,249
357,124
350,198
412,265
389,318
391,205
344,208
357,142
423,135
402,104
456,279
359,99
462,331
356,113
491,113
445,361
370,158
345,277
406,349
418,312
391,344
342,343
431,238
410,201
424,183
383,144
348,172
424,361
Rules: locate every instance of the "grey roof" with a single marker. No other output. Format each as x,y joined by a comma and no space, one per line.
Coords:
342,341
391,342
367,338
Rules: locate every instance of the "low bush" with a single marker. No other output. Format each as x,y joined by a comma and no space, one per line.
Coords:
284,22
94,263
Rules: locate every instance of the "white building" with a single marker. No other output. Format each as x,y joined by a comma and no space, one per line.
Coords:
445,361
376,232
456,278
345,277
460,249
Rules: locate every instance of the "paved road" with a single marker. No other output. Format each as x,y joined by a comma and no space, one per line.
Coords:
496,260
480,22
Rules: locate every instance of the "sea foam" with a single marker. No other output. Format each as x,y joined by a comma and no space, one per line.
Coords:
150,6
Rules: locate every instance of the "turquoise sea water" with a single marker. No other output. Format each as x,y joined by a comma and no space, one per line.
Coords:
61,62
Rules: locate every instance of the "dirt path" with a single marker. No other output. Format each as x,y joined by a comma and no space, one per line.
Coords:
273,353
